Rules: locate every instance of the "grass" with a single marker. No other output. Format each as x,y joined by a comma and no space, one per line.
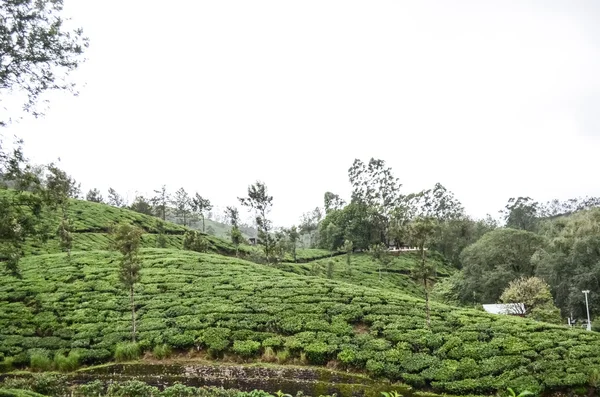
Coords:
127,351
222,304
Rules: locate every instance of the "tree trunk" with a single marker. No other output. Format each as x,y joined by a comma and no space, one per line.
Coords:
427,303
132,313
203,231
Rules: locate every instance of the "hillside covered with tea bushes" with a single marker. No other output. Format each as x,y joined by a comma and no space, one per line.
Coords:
224,305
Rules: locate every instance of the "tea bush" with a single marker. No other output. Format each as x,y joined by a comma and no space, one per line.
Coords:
228,305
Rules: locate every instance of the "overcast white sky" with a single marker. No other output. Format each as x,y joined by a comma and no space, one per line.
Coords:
493,99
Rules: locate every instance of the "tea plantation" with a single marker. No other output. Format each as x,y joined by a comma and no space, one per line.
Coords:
63,309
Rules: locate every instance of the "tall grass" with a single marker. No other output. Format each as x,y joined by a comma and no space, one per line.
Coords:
39,360
127,351
66,363
162,351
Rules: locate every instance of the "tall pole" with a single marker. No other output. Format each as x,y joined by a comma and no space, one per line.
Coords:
587,307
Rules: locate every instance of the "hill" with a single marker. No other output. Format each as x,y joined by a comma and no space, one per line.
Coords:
226,305
365,271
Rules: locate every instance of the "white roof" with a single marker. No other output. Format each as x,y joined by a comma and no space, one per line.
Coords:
505,308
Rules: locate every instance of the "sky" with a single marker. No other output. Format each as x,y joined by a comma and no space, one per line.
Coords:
493,99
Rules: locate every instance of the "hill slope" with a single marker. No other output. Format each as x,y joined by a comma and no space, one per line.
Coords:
222,304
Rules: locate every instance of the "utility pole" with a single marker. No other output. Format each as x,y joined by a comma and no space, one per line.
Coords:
589,324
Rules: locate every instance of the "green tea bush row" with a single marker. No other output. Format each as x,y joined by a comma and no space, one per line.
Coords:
229,306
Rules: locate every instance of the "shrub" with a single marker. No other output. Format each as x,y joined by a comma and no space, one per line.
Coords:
92,389
179,390
162,351
6,365
246,348
132,388
215,339
283,356
127,351
269,355
66,364
317,353
39,360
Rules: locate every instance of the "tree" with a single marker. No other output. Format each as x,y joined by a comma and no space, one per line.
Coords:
439,204
375,187
332,237
309,226
183,206
521,213
127,241
141,205
161,240
37,52
280,246
94,195
420,231
534,294
115,199
496,259
59,187
21,209
292,238
570,261
332,202
233,216
160,202
349,249
260,202
194,241
200,205
380,254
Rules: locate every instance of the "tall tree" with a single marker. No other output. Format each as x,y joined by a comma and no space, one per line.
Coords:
115,199
127,240
521,213
375,186
292,235
141,205
332,201
380,255
233,217
200,205
94,195
160,201
21,209
420,231
496,259
259,201
183,206
349,249
37,53
59,188
309,226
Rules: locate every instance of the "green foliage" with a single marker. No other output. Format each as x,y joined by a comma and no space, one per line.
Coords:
499,257
318,318
259,201
67,363
127,351
48,384
246,348
42,52
194,241
39,360
132,388
162,351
